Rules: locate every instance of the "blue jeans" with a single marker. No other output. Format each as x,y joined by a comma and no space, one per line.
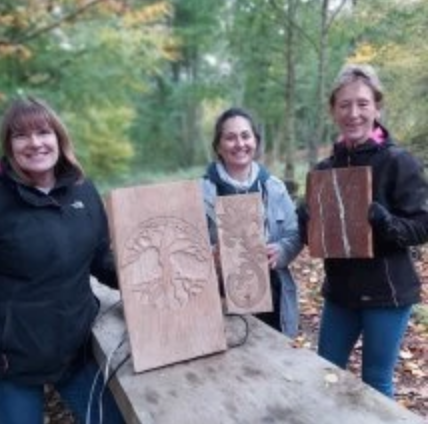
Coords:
285,315
382,331
20,404
289,308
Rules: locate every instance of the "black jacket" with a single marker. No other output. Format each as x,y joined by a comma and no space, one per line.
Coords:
389,279
49,247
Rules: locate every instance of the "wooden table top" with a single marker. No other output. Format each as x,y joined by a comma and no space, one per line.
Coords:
266,380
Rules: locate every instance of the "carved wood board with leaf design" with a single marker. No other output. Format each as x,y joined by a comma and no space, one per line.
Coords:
166,273
243,253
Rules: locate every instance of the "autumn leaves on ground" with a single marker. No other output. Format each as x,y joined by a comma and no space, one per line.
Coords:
411,377
412,371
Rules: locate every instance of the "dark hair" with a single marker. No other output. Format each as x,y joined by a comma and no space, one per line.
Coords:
29,114
234,112
353,72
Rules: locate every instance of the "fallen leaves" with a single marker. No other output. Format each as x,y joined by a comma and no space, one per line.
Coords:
405,354
302,341
411,377
331,378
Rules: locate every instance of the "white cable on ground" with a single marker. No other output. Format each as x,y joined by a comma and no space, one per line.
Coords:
106,376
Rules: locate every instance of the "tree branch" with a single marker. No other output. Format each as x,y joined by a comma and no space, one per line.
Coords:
304,34
334,15
27,37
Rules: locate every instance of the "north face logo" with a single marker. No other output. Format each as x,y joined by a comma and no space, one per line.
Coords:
78,204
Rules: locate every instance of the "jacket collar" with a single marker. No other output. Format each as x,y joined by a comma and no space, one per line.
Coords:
378,139
225,187
33,195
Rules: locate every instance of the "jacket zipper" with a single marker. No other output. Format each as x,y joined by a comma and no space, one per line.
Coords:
385,261
348,156
390,283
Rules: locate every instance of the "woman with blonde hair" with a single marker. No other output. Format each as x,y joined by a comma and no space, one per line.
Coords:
373,297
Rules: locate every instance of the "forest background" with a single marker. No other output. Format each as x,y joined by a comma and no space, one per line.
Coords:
139,83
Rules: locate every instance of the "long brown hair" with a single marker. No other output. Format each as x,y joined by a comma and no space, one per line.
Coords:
28,114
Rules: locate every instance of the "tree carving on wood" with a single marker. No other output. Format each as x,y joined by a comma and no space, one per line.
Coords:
172,259
243,286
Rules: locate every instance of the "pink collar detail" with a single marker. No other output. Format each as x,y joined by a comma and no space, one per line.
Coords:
377,135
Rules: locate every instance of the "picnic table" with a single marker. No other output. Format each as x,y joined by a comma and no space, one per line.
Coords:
265,380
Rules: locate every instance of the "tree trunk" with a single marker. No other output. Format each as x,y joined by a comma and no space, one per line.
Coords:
320,97
290,87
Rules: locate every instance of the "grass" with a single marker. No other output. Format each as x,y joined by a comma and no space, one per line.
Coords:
150,177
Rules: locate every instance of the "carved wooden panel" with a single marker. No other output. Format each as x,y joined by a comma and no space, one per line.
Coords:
166,273
243,253
338,201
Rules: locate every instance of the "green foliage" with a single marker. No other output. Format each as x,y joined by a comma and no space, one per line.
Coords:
257,58
89,63
168,132
143,176
140,83
101,139
393,40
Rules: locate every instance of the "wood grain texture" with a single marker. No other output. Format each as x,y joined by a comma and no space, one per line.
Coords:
338,201
243,256
166,273
266,380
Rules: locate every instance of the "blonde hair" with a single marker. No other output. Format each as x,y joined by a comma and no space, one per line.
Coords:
353,72
29,114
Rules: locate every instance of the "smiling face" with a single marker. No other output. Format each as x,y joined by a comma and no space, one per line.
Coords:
36,143
237,146
35,151
355,110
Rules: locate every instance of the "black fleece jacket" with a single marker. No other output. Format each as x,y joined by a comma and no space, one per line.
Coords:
50,244
388,279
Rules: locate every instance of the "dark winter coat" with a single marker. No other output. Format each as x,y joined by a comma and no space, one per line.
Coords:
50,244
389,279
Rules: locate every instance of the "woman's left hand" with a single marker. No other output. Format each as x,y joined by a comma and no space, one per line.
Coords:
272,251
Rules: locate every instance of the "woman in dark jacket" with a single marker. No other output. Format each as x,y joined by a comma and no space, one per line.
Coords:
373,297
53,237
